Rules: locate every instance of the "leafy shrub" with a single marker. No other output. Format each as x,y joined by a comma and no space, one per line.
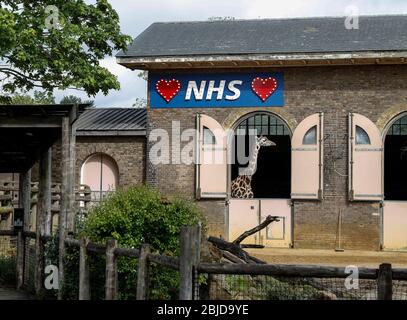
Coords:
134,216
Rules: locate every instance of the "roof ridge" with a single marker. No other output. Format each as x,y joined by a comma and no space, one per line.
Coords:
279,19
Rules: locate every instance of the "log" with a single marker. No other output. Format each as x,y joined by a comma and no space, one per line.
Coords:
252,246
235,250
261,226
231,257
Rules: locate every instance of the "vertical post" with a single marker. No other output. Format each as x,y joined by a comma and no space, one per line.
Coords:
25,203
20,260
111,270
43,207
197,259
25,197
143,273
44,192
189,260
65,142
385,282
71,212
84,285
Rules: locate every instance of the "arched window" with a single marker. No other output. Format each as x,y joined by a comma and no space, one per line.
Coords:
310,138
101,174
208,136
361,136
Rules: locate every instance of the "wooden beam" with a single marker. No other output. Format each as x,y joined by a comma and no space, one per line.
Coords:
84,283
189,261
111,271
143,273
385,282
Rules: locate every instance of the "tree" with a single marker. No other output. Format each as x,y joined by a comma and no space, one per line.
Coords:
140,103
39,97
58,45
71,99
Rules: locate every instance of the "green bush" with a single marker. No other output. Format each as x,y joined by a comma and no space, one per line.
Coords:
134,216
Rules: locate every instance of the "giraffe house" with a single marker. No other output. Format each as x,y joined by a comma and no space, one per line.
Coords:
312,114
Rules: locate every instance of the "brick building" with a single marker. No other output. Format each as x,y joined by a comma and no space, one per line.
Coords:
332,100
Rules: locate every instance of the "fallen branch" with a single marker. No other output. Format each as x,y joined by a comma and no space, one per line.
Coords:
261,226
235,250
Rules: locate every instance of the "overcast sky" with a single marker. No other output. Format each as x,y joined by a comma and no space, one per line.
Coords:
137,15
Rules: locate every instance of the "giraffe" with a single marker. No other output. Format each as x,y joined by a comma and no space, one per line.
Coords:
241,186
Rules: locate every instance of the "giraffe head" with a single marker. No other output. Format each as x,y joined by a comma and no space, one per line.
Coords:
264,142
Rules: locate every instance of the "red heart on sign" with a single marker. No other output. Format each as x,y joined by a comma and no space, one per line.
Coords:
168,89
264,88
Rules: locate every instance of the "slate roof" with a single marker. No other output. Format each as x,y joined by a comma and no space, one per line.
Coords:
270,36
116,121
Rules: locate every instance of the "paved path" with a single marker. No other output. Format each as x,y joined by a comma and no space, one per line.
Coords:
13,294
330,257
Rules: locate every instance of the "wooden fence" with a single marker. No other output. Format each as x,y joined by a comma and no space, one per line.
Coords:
190,267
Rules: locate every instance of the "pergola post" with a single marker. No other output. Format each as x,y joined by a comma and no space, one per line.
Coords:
25,197
25,203
43,219
44,192
67,212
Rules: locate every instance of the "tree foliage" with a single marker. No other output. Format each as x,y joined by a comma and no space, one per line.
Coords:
71,99
58,46
39,97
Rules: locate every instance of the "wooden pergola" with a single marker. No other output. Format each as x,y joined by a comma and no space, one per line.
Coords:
27,134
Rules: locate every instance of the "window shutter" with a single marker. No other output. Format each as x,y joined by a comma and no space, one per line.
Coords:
211,162
365,159
307,159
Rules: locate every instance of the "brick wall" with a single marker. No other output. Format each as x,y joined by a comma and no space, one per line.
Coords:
128,152
336,91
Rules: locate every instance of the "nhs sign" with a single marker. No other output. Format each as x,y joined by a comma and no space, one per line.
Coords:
216,90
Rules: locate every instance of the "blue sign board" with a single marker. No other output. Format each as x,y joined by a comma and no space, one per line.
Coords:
217,90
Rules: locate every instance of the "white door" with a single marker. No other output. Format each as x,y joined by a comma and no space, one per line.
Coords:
247,214
243,216
395,225
277,234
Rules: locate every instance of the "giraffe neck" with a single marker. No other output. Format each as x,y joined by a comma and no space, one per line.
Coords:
251,169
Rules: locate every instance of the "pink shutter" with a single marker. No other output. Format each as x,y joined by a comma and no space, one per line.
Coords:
307,160
211,178
365,161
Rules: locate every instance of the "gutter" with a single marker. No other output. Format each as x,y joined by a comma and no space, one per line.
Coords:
264,60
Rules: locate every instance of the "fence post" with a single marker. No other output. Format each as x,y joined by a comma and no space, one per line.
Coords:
111,270
385,282
189,259
84,286
20,260
143,273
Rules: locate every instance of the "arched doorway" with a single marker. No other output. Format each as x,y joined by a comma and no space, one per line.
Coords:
269,182
395,160
100,172
395,186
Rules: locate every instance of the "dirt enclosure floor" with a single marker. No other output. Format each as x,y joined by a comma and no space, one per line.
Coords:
330,257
